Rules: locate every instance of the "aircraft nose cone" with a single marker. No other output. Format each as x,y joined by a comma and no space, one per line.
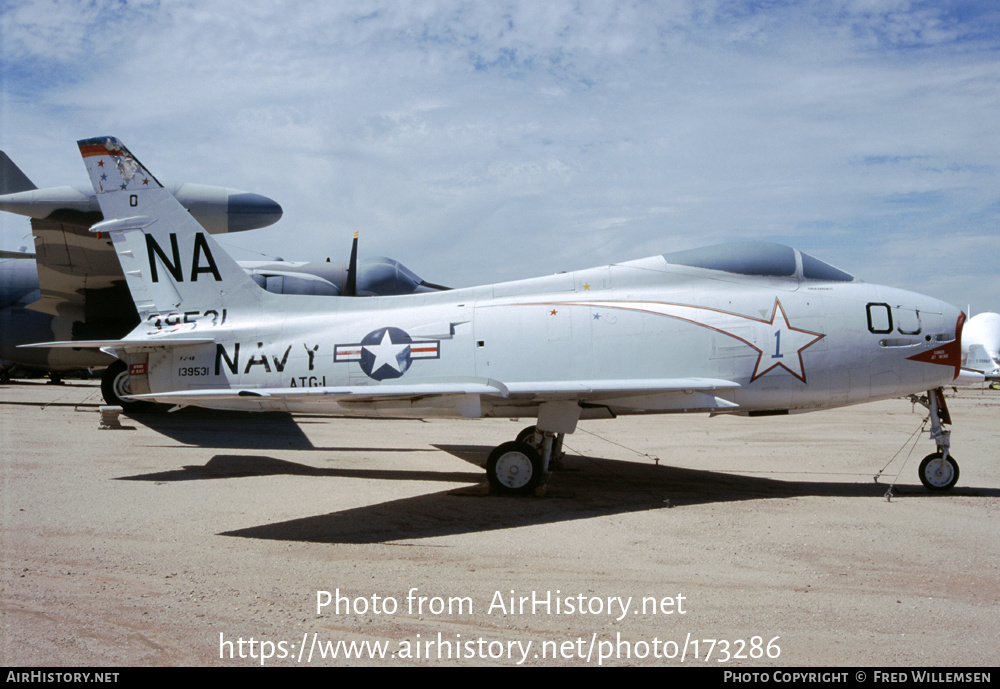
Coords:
247,211
949,352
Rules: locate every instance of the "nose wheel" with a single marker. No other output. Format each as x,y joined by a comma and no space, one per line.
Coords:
938,472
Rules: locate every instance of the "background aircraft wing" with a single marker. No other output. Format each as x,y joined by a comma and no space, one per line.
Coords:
78,273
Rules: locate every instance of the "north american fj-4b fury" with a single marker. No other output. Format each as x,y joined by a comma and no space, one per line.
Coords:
749,329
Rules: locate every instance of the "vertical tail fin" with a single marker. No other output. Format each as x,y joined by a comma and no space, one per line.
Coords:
12,180
170,262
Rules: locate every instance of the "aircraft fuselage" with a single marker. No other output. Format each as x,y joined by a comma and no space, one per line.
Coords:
789,344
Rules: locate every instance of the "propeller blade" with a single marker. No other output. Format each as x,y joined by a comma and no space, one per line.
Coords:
351,283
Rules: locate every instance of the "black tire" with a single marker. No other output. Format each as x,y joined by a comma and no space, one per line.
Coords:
938,474
115,385
527,436
514,469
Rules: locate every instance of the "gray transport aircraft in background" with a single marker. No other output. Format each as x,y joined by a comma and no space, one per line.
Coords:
752,329
72,287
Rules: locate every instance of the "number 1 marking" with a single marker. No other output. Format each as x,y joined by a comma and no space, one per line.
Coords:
777,345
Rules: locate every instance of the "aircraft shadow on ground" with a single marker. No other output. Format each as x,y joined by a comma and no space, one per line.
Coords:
241,430
243,466
590,487
228,429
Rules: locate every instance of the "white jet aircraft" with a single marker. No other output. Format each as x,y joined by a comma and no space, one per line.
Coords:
751,329
981,345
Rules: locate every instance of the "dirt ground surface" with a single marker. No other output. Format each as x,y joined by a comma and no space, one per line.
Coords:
201,538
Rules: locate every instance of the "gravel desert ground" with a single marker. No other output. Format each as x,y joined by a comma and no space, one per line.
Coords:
201,538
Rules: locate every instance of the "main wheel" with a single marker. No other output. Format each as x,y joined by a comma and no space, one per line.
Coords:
938,473
514,468
527,436
115,386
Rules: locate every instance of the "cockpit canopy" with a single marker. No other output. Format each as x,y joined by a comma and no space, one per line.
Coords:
759,258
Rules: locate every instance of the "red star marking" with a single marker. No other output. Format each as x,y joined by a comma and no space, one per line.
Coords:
553,312
145,181
100,163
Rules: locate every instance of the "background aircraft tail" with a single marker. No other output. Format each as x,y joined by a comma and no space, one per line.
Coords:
171,263
12,180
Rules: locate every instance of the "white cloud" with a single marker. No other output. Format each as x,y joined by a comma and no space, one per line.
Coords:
479,141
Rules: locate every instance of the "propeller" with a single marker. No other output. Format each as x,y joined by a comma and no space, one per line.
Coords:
351,283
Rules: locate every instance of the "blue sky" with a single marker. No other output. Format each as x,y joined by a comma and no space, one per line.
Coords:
486,141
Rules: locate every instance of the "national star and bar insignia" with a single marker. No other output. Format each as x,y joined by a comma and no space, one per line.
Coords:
387,353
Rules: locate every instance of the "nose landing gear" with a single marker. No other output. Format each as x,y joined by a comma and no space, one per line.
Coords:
939,470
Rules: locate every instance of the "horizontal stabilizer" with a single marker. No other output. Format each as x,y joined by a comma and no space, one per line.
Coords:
4,255
968,376
126,345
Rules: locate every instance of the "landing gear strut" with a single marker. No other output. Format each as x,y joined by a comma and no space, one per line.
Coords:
938,470
532,436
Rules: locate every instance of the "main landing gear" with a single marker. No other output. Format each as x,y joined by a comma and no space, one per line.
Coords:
938,470
115,386
521,467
